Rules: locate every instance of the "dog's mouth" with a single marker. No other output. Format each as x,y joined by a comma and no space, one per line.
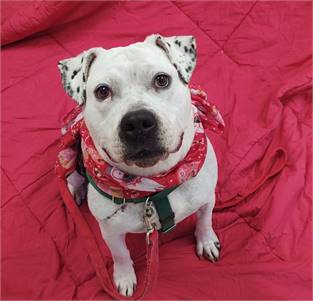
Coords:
180,142
109,155
147,158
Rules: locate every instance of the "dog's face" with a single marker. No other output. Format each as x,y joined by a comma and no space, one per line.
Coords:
136,101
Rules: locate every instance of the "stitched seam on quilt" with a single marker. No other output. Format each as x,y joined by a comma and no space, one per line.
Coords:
37,70
197,26
214,41
60,44
262,234
42,226
29,184
267,134
239,24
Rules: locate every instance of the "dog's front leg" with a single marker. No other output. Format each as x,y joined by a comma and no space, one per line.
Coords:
124,274
207,242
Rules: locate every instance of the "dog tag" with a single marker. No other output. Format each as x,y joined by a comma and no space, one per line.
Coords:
149,215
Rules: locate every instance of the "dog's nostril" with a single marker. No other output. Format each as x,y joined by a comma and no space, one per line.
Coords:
146,124
141,122
129,127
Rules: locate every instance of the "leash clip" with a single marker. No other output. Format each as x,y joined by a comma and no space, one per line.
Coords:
149,215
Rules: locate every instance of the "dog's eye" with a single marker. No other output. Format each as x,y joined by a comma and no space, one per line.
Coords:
102,92
161,80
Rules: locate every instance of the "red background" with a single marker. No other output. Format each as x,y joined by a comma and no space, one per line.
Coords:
254,61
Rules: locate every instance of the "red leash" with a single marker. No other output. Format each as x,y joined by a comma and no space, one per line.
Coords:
99,261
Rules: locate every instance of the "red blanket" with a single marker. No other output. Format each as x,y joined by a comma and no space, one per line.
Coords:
254,60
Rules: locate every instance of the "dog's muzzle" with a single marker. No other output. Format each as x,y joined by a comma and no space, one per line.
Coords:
139,134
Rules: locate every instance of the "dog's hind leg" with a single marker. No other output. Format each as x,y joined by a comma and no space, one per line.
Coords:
208,244
124,275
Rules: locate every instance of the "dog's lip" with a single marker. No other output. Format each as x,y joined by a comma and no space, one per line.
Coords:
149,162
108,154
145,154
177,148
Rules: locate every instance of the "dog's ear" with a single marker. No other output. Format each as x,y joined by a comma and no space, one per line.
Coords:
75,72
181,51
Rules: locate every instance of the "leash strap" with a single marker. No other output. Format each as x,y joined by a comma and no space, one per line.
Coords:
99,261
160,201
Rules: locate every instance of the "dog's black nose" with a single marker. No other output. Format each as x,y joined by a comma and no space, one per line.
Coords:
138,124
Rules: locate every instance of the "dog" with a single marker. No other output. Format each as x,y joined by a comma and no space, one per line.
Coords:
137,107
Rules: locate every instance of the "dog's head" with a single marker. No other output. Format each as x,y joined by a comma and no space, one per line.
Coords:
136,101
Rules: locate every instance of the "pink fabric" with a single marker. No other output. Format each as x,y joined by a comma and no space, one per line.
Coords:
254,60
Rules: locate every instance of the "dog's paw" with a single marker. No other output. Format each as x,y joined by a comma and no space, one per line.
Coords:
125,279
79,193
77,186
208,246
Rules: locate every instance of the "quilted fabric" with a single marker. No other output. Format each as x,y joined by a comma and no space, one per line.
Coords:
254,60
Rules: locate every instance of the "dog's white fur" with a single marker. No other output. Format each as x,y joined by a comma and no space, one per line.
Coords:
129,72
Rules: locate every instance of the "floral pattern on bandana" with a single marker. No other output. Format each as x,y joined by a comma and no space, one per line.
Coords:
76,138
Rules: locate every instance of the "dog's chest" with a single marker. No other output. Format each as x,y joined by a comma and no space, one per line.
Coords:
185,200
130,217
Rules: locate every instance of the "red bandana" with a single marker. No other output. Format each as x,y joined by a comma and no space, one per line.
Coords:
119,184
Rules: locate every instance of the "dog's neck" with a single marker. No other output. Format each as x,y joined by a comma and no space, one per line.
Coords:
163,165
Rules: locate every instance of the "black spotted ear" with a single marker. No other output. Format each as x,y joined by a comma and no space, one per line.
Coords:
75,72
181,51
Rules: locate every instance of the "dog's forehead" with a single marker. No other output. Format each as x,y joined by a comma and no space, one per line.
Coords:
132,56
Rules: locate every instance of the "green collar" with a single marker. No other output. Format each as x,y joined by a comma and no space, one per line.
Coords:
160,201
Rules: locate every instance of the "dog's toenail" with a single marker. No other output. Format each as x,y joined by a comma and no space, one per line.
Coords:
218,245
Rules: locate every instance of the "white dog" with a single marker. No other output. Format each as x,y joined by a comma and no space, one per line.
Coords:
137,108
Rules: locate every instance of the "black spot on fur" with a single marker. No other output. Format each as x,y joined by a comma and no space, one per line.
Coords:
69,90
74,74
178,43
193,46
78,88
84,78
186,49
84,94
82,60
